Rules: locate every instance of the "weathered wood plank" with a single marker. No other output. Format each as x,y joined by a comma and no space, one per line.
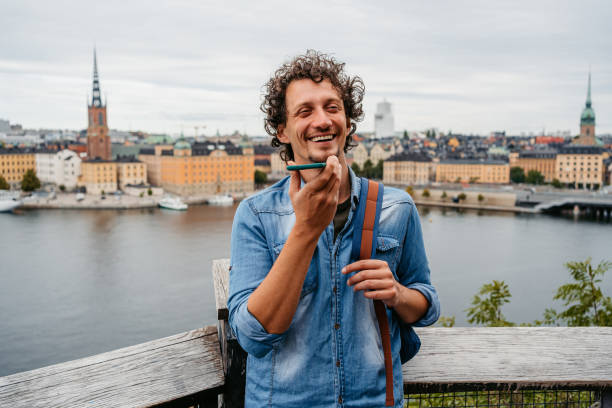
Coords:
519,356
515,356
144,375
220,271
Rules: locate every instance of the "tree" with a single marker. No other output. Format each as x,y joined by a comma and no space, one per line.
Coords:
556,183
4,185
458,180
444,195
426,193
534,177
585,303
517,175
473,180
356,169
480,198
410,191
445,321
368,169
30,182
405,135
62,188
486,310
461,197
378,171
260,177
149,191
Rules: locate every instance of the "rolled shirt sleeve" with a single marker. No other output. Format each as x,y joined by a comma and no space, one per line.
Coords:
251,260
413,270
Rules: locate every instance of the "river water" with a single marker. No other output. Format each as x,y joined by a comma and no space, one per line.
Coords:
77,283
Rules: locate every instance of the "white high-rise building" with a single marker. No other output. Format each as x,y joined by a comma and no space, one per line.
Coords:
383,120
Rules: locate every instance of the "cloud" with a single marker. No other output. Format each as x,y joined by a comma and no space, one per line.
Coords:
471,66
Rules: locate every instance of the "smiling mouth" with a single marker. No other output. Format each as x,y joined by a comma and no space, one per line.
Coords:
322,138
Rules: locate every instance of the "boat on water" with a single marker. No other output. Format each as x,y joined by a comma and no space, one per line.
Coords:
224,199
9,202
172,203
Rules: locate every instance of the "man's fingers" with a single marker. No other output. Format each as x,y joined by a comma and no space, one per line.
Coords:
368,274
295,183
386,294
364,264
373,284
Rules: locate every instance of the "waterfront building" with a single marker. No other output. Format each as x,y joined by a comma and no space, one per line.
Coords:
151,157
383,120
130,171
203,168
408,169
59,168
587,123
14,163
98,139
373,151
278,168
99,176
581,166
544,161
473,171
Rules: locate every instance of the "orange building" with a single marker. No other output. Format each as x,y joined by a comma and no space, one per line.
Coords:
98,176
202,168
544,161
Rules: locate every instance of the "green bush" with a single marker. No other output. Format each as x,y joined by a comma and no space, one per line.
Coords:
426,193
517,175
4,185
461,196
444,195
410,191
260,177
480,198
556,183
149,192
534,177
62,188
30,182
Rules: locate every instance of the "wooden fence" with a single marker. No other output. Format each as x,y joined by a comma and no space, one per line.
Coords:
206,367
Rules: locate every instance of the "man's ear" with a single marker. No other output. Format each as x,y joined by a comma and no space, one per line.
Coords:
282,136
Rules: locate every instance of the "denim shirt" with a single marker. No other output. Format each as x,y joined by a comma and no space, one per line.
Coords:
331,355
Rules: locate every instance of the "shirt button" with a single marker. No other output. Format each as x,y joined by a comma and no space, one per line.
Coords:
340,399
335,289
336,326
337,363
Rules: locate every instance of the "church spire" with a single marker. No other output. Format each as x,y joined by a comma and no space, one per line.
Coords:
588,101
96,100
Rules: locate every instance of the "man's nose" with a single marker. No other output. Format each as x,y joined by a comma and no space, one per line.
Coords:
321,119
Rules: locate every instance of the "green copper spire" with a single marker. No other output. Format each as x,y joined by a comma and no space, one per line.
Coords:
588,114
588,101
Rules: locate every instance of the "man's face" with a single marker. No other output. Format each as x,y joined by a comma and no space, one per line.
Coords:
316,125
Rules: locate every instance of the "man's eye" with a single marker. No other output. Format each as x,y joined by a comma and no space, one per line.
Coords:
303,112
333,108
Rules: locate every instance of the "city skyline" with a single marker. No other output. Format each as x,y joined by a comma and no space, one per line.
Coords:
470,68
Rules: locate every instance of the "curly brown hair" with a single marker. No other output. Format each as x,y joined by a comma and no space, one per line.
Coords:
316,66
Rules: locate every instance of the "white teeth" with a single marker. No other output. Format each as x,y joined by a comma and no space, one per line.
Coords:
322,138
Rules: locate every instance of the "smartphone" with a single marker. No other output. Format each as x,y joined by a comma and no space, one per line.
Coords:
306,166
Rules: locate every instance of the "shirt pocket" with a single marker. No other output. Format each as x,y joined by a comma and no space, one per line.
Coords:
310,282
387,248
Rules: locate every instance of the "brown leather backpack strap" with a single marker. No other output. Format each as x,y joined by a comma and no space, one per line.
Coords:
367,240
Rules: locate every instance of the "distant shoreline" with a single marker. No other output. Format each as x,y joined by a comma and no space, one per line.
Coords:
514,209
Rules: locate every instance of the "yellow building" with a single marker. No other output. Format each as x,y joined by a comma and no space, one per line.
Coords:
473,171
203,168
130,171
581,166
544,161
99,176
151,158
408,169
14,163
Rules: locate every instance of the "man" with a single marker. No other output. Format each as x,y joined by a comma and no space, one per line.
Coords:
298,304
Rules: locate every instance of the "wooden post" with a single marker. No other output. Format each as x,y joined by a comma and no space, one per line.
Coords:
234,357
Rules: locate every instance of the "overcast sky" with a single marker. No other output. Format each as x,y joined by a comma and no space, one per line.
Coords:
465,66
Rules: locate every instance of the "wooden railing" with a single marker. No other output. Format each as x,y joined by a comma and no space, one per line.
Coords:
206,367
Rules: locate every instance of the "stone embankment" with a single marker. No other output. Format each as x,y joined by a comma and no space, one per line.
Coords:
491,201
